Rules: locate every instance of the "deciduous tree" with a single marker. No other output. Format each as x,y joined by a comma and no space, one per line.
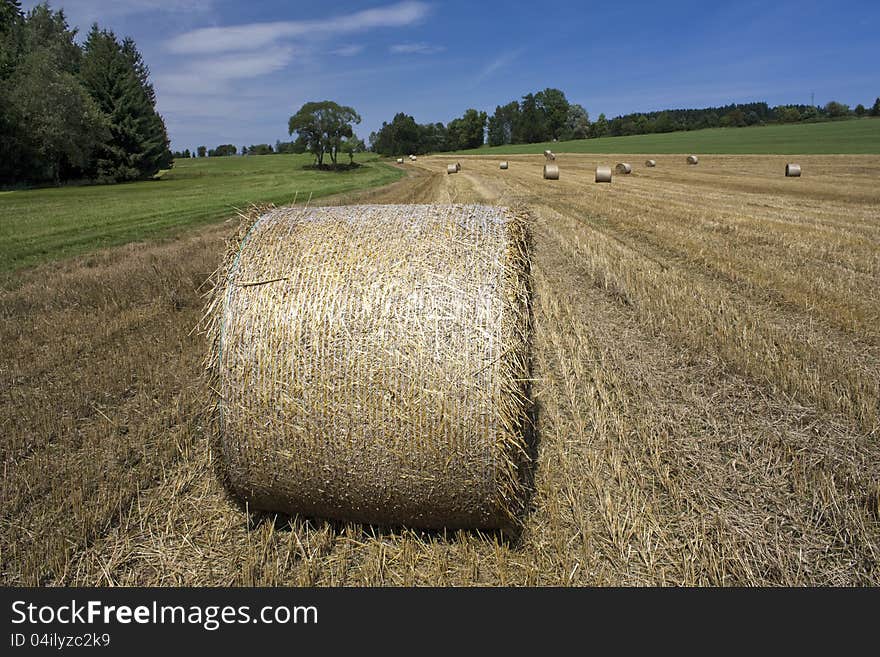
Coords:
323,126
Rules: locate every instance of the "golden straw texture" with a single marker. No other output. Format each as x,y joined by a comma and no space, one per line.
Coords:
551,172
372,364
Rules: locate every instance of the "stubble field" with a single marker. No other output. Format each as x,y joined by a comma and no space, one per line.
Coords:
707,359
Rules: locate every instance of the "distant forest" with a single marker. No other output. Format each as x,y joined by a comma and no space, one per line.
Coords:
547,116
70,111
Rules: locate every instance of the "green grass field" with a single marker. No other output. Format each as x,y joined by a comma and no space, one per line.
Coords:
855,136
38,225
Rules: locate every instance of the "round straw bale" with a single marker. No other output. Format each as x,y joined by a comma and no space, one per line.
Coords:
503,165
603,174
413,158
623,167
458,166
371,363
792,170
550,155
551,172
451,168
693,159
400,160
650,163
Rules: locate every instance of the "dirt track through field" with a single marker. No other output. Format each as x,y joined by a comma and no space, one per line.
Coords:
707,365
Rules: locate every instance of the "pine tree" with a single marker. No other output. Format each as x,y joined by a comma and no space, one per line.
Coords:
10,12
118,80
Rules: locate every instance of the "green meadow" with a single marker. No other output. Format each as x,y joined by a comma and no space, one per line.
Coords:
38,225
856,136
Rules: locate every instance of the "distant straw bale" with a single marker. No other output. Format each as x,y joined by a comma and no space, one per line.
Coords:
650,163
503,165
623,167
371,364
451,168
792,170
603,174
693,159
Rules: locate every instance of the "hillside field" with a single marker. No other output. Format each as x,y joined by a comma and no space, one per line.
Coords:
835,137
706,378
39,225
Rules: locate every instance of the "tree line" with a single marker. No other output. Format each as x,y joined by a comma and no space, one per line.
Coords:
548,116
254,149
735,115
70,111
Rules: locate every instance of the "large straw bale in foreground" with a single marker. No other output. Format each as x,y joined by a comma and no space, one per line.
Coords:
372,364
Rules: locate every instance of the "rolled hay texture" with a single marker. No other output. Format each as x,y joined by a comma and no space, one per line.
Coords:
551,172
623,167
603,174
371,364
400,160
792,170
451,168
550,155
503,165
693,159
650,163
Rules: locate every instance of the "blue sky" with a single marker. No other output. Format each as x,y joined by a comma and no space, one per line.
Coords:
228,71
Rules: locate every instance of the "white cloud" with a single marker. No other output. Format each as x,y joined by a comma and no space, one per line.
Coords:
348,51
259,35
212,75
415,49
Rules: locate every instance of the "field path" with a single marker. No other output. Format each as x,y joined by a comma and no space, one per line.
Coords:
706,368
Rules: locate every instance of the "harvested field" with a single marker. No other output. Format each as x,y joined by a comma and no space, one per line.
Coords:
706,353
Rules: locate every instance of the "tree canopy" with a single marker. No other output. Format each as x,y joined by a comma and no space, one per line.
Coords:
323,126
74,112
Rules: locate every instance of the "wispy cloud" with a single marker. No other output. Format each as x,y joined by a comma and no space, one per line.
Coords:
415,49
348,51
251,36
496,64
211,76
84,12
